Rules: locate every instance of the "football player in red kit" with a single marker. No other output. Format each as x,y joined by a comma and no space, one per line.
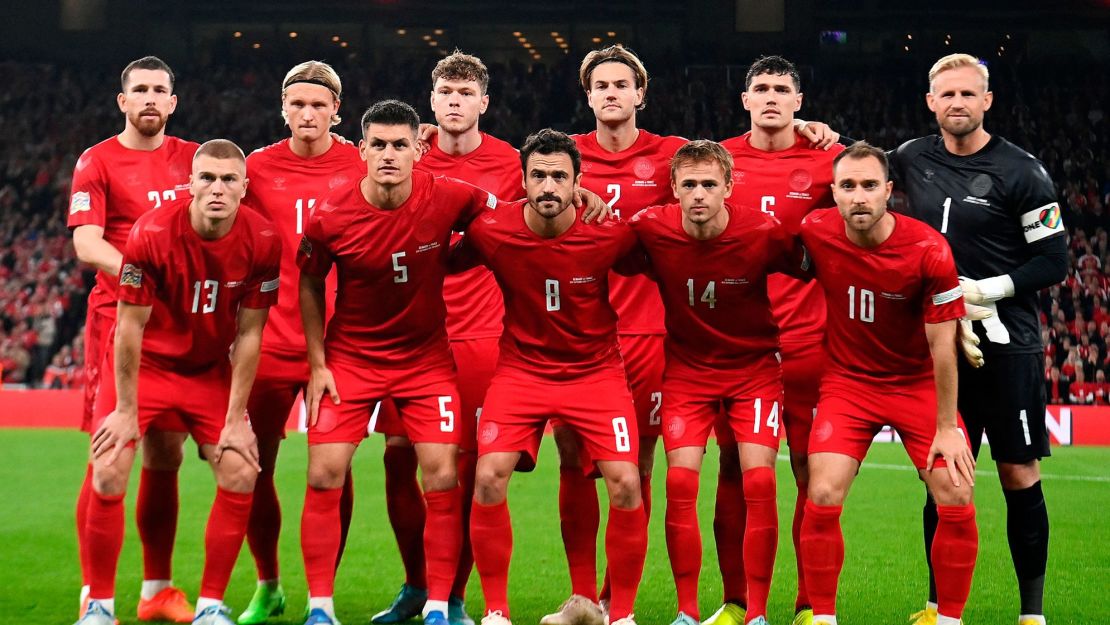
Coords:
114,183
711,261
893,302
778,172
197,279
288,179
560,335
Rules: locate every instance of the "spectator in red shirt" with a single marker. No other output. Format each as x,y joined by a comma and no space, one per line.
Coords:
1081,392
1056,388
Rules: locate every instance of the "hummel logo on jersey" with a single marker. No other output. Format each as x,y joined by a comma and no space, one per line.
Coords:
80,203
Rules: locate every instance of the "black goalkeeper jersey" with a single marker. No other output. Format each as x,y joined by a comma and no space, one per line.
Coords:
997,208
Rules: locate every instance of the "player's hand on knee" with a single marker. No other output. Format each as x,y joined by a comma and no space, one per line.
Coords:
950,444
320,382
119,429
594,206
819,135
238,436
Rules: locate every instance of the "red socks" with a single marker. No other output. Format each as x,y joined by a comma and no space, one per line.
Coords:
103,540
823,555
579,519
625,548
156,516
761,537
83,497
955,547
728,532
405,504
645,496
684,536
802,599
320,538
468,461
265,526
491,534
442,540
223,539
346,512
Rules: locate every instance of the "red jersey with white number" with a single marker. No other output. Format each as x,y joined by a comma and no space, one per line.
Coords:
113,186
718,315
879,299
559,322
286,188
474,303
631,180
787,184
195,286
389,309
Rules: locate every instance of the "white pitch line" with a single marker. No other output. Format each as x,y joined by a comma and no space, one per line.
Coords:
1047,476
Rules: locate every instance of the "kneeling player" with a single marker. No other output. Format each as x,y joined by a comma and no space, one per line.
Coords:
711,262
559,359
198,277
893,302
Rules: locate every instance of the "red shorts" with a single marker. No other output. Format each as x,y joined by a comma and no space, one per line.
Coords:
802,367
426,398
643,364
98,327
280,378
742,405
597,407
195,403
850,414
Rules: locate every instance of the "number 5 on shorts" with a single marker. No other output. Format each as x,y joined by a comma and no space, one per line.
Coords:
772,417
447,417
620,434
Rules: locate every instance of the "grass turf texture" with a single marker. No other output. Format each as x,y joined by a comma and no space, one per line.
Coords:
883,579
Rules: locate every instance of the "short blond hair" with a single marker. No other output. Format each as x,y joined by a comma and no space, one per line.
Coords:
614,54
317,73
702,151
958,60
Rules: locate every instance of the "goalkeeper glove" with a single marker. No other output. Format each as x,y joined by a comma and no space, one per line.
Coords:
987,290
969,341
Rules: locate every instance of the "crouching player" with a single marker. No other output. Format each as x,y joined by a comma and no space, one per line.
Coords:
893,303
198,277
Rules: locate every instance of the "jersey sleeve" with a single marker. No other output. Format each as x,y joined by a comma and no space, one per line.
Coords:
788,255
88,193
313,256
472,202
1033,197
139,275
942,297
262,291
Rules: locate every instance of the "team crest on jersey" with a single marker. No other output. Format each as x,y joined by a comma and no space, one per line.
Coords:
305,247
131,276
980,185
800,180
929,174
643,168
80,203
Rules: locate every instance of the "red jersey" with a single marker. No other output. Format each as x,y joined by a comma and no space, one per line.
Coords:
196,285
389,309
715,291
285,188
629,181
787,185
879,299
474,303
113,186
559,322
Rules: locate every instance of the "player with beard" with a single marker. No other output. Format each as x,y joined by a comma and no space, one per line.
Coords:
892,304
288,180
776,171
198,277
998,208
114,183
474,311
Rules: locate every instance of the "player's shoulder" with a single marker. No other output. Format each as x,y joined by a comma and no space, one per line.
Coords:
752,219
181,146
915,147
652,217
268,153
507,218
162,222
820,218
920,235
737,144
666,143
499,148
1016,161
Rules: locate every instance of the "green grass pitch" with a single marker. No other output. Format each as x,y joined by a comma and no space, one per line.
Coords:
883,579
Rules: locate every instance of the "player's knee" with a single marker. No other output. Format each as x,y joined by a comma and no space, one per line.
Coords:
325,476
237,477
441,477
824,493
110,480
1019,476
951,495
624,489
490,485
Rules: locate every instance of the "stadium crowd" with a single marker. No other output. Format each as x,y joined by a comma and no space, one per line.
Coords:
1055,114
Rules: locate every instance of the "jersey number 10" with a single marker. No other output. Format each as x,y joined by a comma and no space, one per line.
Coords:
866,305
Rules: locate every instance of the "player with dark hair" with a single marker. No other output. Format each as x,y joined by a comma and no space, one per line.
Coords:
474,311
198,277
711,261
114,183
998,209
893,302
778,172
560,335
288,179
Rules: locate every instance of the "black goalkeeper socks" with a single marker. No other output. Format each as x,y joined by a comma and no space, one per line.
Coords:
1027,530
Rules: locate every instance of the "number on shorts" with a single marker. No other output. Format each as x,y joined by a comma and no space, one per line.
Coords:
1025,427
657,402
620,433
402,271
447,417
772,416
551,288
